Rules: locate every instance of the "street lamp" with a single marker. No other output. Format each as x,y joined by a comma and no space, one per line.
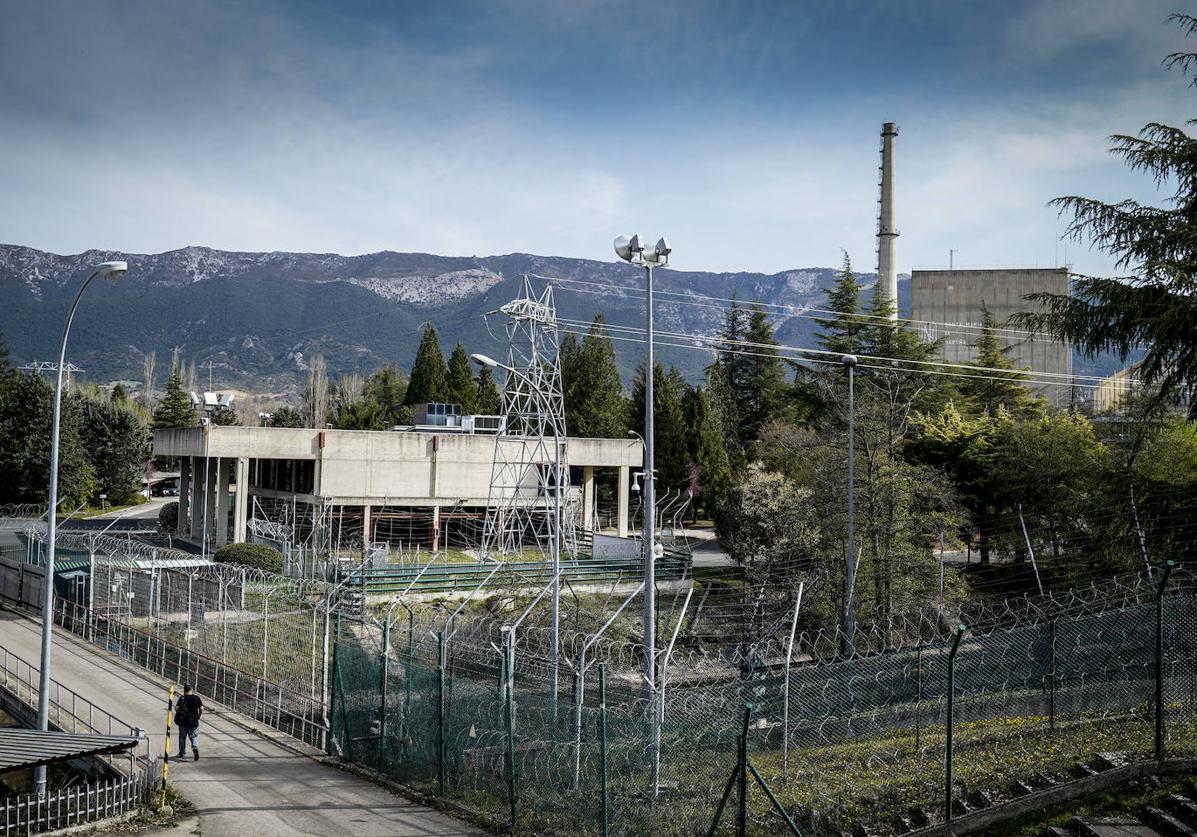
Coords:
112,270
849,620
632,250
555,546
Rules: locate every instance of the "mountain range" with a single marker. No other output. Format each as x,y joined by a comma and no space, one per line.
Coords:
258,318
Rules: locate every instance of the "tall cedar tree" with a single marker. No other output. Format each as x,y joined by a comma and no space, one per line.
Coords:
462,389
991,390
671,452
490,400
708,452
841,332
429,378
175,409
595,406
763,384
731,357
1157,306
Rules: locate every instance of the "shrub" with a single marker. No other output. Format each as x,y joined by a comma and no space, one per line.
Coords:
256,555
168,517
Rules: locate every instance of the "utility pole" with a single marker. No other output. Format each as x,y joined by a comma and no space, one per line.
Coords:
849,619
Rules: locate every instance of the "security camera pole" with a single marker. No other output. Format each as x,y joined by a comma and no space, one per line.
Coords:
631,249
112,270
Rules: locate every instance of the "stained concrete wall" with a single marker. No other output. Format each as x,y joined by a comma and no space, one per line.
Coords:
957,298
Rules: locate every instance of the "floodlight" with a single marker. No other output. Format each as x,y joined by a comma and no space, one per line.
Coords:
627,247
483,360
848,360
663,249
112,270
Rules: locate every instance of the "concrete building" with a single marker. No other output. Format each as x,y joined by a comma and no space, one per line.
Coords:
948,305
229,475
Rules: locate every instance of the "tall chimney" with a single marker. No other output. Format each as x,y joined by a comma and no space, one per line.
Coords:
887,271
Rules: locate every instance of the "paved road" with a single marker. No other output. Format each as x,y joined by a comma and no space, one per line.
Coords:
250,780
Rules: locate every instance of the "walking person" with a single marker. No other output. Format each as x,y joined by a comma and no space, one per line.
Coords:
188,710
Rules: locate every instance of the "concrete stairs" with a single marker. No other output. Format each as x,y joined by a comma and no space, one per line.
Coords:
1176,817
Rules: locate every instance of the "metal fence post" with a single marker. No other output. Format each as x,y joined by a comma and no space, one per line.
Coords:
440,713
949,766
383,688
742,761
509,717
603,745
1159,662
1051,674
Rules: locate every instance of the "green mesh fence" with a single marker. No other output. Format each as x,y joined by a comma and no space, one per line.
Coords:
857,742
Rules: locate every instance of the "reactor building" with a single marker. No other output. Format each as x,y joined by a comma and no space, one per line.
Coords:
948,306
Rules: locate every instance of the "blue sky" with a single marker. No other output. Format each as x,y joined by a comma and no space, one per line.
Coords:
745,131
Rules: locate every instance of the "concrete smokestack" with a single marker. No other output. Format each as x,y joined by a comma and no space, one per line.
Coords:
887,270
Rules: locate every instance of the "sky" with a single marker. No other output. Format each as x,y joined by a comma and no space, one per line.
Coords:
745,131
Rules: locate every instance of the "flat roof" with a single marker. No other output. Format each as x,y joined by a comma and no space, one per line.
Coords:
21,749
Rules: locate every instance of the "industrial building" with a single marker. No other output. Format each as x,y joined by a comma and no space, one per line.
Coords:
948,305
407,481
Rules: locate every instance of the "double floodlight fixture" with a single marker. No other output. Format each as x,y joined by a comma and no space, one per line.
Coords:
631,248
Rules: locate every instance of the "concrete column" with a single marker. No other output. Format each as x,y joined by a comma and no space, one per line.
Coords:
199,496
367,526
185,489
621,514
241,503
436,528
221,491
588,498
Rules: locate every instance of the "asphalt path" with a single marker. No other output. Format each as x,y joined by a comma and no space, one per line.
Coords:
250,779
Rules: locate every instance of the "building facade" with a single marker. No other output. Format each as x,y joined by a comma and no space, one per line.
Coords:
948,305
372,483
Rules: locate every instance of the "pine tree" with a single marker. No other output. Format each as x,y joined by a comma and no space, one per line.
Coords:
223,416
387,388
764,380
462,389
709,453
429,377
118,396
285,417
1156,307
992,390
722,403
175,408
841,332
671,451
26,408
730,354
595,405
490,400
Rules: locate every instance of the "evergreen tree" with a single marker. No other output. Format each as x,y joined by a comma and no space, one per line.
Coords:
118,445
730,354
429,377
763,381
595,405
490,400
991,390
722,402
223,416
26,412
709,453
285,417
841,332
118,396
388,389
462,389
1156,307
175,408
671,451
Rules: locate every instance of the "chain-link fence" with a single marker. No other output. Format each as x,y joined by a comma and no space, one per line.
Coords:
857,742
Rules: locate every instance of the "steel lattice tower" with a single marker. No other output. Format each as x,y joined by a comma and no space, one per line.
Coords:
530,475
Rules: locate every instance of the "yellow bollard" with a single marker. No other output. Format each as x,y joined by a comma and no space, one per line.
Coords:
170,709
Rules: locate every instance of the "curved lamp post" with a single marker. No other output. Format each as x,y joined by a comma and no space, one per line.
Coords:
112,270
